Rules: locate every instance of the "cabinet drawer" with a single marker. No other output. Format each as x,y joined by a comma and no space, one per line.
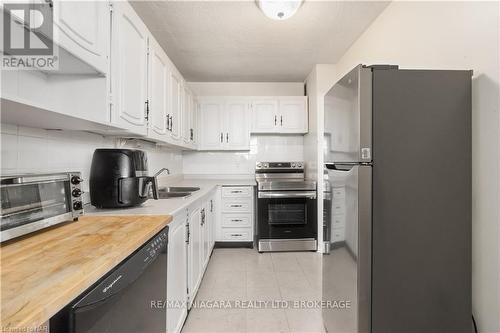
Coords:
338,221
338,207
234,220
237,234
230,206
338,193
236,192
338,235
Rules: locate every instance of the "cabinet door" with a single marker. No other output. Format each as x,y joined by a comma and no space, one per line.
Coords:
194,262
203,237
158,91
236,135
210,125
129,75
177,93
192,120
187,111
82,28
265,116
177,274
293,115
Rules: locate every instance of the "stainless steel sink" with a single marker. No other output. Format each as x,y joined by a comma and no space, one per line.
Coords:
174,189
168,195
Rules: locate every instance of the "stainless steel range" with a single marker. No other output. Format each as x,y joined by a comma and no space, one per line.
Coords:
286,208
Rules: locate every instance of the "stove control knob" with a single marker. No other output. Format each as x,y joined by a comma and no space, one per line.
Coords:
265,165
294,165
75,180
300,165
76,192
77,205
259,165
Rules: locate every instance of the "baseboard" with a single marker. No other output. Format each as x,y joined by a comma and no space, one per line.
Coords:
226,245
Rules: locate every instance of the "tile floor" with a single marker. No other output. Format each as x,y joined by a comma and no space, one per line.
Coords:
236,276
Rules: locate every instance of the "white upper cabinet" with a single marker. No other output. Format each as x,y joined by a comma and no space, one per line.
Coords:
280,115
129,75
211,133
158,101
293,115
264,115
236,125
83,30
176,96
224,124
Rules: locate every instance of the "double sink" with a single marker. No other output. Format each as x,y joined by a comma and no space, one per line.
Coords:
176,192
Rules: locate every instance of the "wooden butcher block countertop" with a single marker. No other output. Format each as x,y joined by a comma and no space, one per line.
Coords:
42,273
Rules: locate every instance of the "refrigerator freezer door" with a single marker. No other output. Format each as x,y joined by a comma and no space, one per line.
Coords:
348,118
347,265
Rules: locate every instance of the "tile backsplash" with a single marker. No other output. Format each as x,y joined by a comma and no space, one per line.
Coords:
30,150
262,148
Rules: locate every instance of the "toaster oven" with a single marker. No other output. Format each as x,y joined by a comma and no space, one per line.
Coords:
35,201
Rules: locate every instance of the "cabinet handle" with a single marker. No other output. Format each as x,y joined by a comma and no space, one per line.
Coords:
221,137
275,120
281,120
227,137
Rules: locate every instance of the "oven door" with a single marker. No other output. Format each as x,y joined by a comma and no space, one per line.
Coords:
287,214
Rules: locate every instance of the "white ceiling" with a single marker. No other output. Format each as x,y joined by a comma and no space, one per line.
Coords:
234,41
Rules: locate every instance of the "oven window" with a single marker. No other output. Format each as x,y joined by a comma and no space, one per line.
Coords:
26,203
287,213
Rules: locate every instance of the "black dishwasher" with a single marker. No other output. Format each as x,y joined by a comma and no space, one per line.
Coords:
129,299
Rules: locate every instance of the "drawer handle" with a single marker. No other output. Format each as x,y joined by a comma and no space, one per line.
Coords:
237,220
236,235
236,191
236,206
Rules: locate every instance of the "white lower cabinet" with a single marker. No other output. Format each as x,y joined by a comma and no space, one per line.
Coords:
237,214
200,241
177,273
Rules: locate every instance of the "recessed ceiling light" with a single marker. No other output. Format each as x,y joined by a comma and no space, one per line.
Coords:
279,9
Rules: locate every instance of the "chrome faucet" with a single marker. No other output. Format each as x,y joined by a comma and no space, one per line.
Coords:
161,171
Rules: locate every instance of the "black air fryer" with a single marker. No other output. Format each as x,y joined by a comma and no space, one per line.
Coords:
119,178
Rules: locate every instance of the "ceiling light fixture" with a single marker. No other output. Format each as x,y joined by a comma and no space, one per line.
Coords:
279,9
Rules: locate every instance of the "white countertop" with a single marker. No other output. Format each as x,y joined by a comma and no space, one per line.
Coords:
172,206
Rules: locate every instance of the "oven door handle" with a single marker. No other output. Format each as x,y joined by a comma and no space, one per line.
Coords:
287,194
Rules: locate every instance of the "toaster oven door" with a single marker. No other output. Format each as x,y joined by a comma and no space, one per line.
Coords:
33,205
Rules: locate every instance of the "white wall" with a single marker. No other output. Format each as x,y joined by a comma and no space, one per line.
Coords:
247,88
318,82
454,35
272,148
25,150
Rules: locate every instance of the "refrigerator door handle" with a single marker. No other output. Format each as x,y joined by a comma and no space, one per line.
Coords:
345,166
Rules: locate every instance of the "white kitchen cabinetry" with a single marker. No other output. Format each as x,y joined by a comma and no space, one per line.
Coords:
188,117
176,96
286,114
82,28
224,124
129,77
264,115
158,101
237,216
177,272
194,251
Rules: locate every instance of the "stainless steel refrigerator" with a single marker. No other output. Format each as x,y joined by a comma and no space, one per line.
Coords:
398,223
